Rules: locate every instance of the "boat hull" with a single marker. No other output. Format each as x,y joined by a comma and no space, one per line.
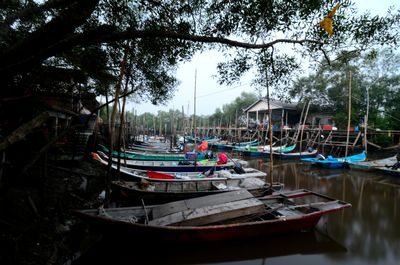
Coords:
124,193
182,235
332,162
210,218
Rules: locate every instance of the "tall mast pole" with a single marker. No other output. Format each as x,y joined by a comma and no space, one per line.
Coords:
366,124
271,161
349,116
194,120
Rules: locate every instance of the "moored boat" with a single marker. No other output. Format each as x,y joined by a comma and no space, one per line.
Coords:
297,155
177,166
154,192
265,152
144,156
230,173
131,155
333,162
387,165
225,145
374,164
218,217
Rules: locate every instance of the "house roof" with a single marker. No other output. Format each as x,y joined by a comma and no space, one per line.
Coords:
262,105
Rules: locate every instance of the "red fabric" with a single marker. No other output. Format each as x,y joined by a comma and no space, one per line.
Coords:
158,175
203,146
222,159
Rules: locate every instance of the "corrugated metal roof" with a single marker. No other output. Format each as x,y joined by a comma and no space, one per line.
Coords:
262,105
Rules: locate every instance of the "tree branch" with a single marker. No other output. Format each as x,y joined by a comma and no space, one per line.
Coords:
109,34
30,10
23,130
26,52
106,34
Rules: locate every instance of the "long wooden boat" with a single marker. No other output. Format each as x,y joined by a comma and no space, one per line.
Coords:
257,148
136,174
385,165
332,162
218,217
190,156
296,155
177,166
374,164
190,139
153,148
144,156
225,145
265,153
155,192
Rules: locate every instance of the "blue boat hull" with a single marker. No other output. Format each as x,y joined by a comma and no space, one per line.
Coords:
332,162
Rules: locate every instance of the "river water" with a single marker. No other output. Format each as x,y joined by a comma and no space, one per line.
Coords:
367,233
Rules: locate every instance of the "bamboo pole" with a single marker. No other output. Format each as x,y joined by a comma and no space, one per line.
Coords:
366,124
121,129
236,125
348,117
113,115
298,129
183,123
302,127
271,161
160,131
194,119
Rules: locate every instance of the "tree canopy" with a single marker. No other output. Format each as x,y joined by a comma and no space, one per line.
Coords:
66,45
374,81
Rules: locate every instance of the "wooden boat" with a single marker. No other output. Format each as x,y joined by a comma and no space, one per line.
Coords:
257,148
225,145
190,139
227,216
155,192
143,156
176,166
389,171
135,174
189,156
385,165
266,153
153,148
138,152
332,162
296,155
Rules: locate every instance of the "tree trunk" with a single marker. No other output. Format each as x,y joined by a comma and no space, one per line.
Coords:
112,132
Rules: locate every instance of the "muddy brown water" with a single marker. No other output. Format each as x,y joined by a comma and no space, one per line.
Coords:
367,233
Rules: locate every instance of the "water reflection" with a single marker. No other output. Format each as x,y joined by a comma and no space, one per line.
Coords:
370,230
109,251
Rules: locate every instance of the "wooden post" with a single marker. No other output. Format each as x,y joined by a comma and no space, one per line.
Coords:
121,129
271,161
298,129
302,127
366,124
236,125
183,123
160,130
348,117
194,120
113,115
